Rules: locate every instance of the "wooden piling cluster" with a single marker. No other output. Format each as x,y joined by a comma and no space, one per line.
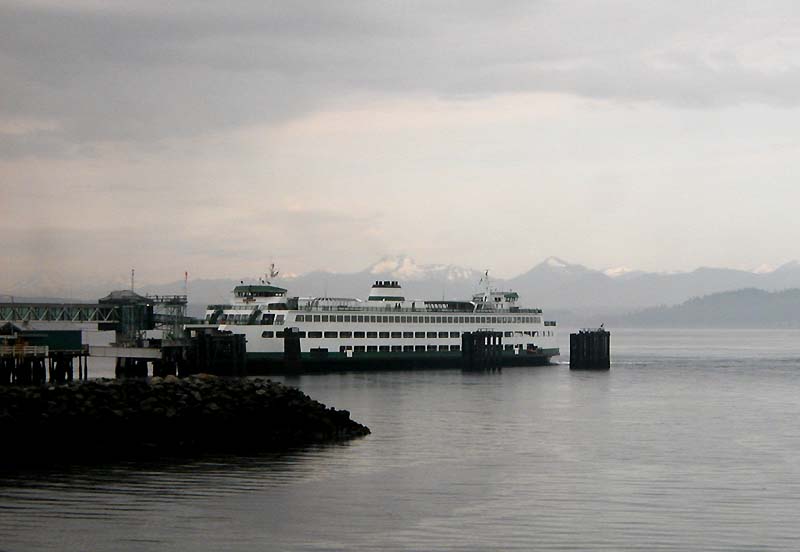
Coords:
131,368
61,365
24,365
481,350
590,350
37,356
31,365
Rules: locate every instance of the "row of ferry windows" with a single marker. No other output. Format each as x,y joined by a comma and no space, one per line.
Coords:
397,348
392,335
367,335
268,319
417,348
398,319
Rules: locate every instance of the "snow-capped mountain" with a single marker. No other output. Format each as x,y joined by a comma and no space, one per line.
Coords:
622,272
418,280
555,283
406,269
556,263
763,269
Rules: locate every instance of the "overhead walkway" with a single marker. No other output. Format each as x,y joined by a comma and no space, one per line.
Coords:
58,312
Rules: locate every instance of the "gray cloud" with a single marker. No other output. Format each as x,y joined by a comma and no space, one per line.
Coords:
142,72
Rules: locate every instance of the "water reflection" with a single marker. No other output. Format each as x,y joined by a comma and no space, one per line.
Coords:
665,451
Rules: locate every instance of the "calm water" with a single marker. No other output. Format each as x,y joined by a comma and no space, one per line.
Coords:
692,441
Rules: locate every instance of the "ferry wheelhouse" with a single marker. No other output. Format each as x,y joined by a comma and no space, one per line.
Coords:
385,330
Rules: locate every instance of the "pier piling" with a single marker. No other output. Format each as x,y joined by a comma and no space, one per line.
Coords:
481,350
291,349
590,350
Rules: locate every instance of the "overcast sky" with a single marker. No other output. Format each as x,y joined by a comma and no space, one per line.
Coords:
216,137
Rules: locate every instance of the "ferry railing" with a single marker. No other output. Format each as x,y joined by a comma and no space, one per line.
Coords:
388,309
392,310
377,310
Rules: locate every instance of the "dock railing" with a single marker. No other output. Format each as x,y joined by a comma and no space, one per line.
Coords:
24,350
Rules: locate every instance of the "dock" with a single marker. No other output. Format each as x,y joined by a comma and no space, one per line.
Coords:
34,356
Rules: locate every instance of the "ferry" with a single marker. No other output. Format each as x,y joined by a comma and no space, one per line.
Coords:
386,330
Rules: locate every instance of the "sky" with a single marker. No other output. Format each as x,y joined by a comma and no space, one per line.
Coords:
217,137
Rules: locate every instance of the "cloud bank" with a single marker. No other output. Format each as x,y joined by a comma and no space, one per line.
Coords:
81,73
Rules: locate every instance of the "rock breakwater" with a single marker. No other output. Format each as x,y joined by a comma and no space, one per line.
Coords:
106,419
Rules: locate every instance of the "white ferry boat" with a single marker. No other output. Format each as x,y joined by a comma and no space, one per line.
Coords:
385,331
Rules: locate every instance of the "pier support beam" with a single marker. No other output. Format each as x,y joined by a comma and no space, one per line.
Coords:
131,368
6,370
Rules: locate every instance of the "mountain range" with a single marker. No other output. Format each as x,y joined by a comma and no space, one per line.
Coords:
551,284
744,308
558,284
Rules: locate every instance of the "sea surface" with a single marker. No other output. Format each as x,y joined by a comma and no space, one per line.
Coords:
690,442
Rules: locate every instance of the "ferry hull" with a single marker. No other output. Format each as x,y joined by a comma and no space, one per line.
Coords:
276,363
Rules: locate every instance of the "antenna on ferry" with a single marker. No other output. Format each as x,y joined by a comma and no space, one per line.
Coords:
272,273
485,281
